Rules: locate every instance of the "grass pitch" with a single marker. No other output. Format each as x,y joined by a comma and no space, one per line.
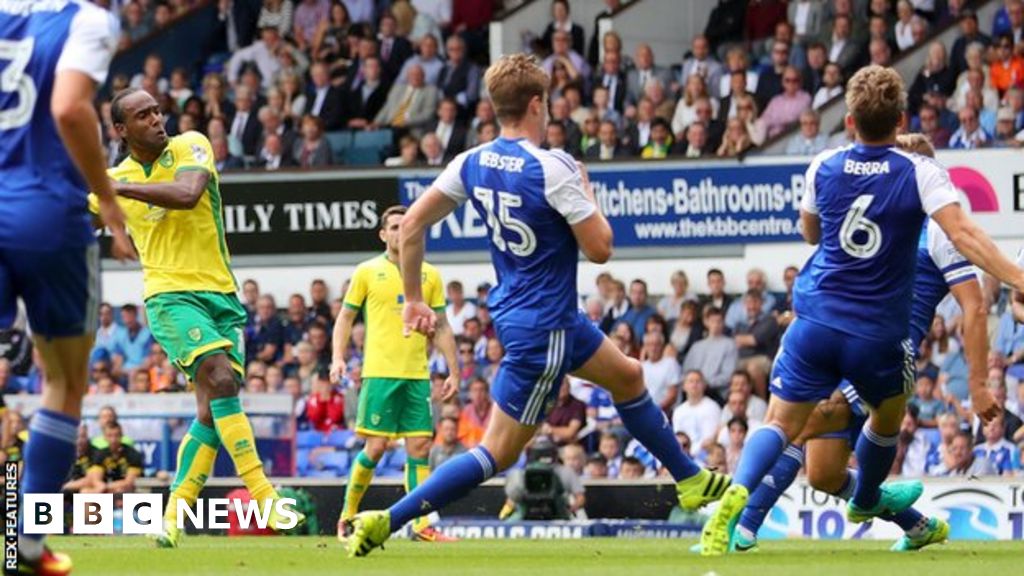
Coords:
219,556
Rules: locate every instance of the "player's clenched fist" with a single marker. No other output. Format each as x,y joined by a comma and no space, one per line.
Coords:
121,246
418,317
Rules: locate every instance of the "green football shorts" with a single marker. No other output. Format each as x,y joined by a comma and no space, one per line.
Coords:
395,408
189,325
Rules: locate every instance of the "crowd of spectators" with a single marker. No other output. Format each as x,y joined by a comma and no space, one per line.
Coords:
705,356
304,81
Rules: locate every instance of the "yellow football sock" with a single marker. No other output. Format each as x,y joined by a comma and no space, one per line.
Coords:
196,456
417,470
358,482
236,435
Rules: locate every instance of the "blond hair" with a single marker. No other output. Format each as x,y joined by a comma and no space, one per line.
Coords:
876,99
916,143
513,81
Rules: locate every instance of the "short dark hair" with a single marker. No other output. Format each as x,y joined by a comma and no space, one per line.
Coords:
116,105
715,271
714,311
739,420
112,425
130,308
391,211
754,293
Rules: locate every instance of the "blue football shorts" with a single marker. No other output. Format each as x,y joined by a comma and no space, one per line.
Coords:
535,363
813,359
60,289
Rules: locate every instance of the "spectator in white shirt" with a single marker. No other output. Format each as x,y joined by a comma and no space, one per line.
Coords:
458,310
970,135
832,86
697,417
432,150
440,11
263,53
735,409
670,304
913,448
661,373
755,407
905,19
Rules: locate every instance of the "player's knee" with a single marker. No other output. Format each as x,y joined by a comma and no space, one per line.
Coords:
222,382
375,448
633,377
417,447
826,480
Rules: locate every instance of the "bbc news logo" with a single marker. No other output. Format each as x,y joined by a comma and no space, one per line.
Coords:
141,514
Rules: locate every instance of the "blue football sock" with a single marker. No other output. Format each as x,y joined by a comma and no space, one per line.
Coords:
908,520
49,454
771,488
648,424
846,492
762,450
451,481
875,455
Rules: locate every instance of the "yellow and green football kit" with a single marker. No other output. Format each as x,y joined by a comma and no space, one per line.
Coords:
192,308
394,401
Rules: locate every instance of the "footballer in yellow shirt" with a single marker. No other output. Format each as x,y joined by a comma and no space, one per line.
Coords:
169,190
394,401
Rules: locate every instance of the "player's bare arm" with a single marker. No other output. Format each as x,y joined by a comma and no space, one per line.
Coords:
444,340
971,241
975,334
431,207
810,227
78,124
1018,305
339,342
182,194
593,234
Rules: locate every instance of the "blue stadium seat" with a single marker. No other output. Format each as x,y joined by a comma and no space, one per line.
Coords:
330,473
372,139
389,472
308,439
339,142
394,459
337,461
339,438
302,462
360,157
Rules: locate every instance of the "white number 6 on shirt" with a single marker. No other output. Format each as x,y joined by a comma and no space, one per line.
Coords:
856,222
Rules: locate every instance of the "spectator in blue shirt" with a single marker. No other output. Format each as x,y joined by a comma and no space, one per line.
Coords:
927,405
108,332
639,310
1010,344
265,339
737,311
996,449
131,344
295,328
